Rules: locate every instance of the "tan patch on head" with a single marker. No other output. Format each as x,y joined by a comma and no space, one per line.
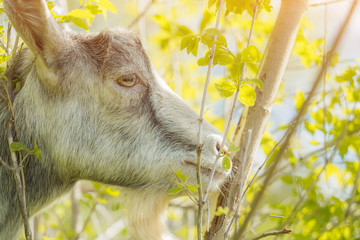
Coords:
98,47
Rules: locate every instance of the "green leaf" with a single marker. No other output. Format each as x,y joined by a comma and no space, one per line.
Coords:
193,45
334,60
257,81
102,200
94,9
81,13
185,41
314,142
233,148
204,61
4,58
175,190
247,95
226,163
211,3
36,152
50,5
106,4
208,35
211,32
77,21
220,211
310,127
194,50
225,87
344,146
299,99
223,59
193,187
162,21
180,175
110,191
222,56
17,146
250,55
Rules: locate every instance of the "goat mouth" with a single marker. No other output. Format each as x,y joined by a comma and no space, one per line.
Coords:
206,171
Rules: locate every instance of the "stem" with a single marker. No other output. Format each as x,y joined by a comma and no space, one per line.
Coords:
6,165
16,159
241,77
87,220
271,73
296,123
201,201
353,192
142,14
275,233
19,182
262,165
237,211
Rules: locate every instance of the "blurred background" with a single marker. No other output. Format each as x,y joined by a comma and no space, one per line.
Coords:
316,189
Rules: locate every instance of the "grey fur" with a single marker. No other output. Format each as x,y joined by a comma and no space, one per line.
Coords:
89,127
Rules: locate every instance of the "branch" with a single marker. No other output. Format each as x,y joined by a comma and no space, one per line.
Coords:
142,14
257,225
199,133
275,233
296,123
262,165
271,73
329,145
353,192
6,165
87,220
16,158
241,77
75,208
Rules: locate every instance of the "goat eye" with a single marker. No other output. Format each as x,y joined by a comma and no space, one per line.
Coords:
128,81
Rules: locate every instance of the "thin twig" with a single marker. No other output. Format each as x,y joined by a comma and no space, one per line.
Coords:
262,165
8,41
16,158
237,211
2,46
3,97
296,123
312,185
252,228
324,84
92,210
190,194
6,165
329,145
353,192
275,233
199,133
142,14
241,77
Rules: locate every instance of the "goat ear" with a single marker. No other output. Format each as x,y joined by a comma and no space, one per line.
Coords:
35,24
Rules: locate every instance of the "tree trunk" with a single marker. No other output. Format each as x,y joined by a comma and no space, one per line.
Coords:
253,121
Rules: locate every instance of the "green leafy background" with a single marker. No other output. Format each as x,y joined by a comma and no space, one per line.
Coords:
316,191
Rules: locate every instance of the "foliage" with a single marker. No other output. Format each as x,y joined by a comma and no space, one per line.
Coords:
316,189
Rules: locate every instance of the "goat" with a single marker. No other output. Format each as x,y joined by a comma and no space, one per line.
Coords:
99,111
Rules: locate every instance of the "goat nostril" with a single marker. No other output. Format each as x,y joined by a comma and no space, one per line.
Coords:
224,149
